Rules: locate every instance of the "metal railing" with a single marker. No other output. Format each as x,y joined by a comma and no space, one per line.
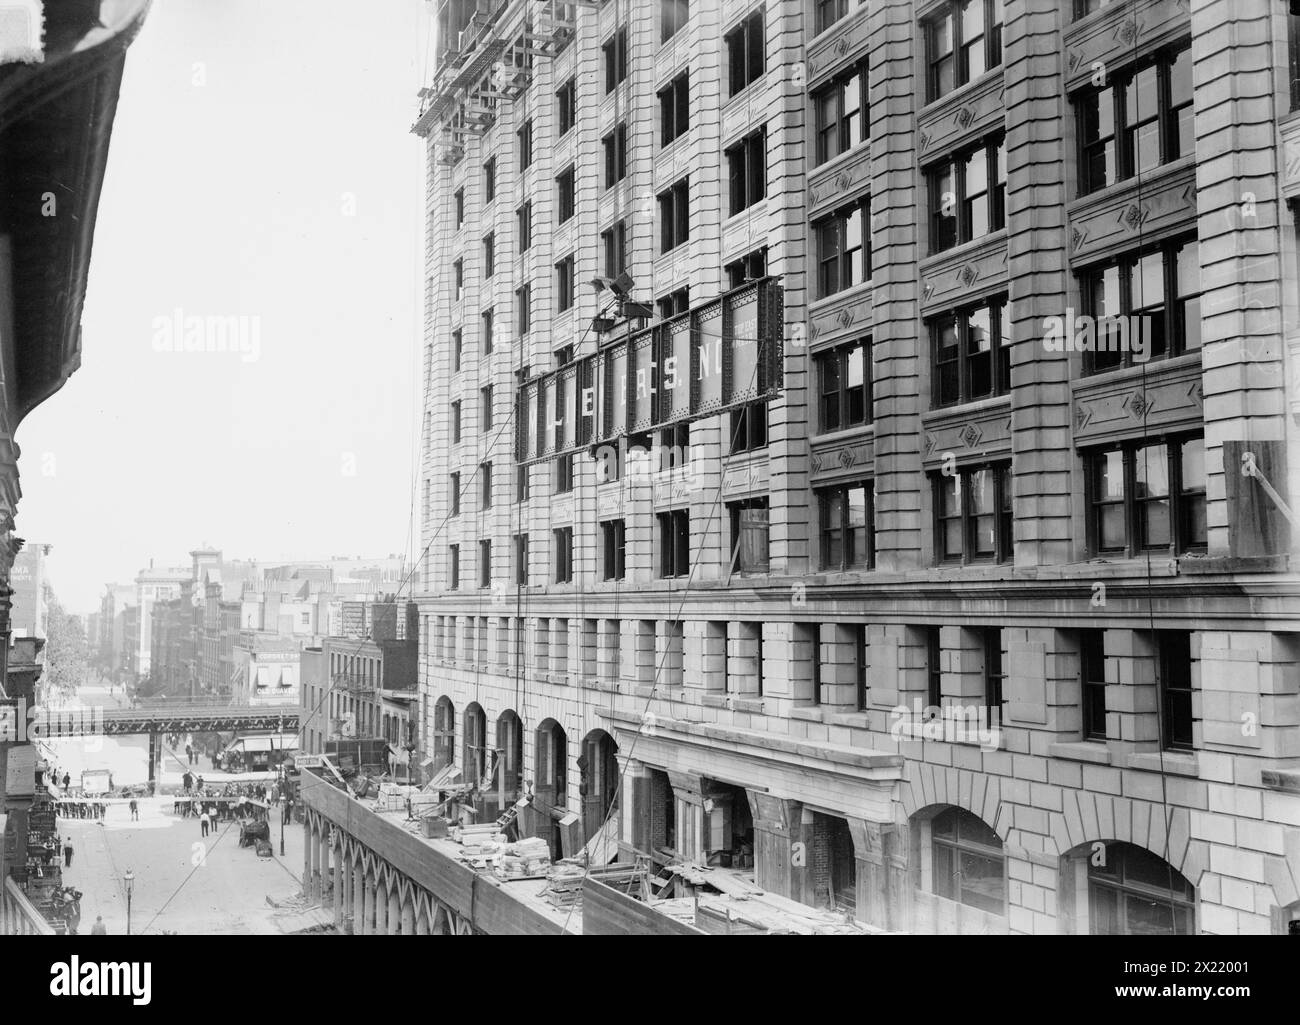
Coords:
18,915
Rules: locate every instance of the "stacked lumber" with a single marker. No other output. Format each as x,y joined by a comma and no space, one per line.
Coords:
526,859
563,885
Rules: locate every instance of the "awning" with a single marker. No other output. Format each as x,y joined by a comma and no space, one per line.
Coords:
251,745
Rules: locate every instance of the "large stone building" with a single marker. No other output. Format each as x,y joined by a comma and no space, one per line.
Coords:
985,621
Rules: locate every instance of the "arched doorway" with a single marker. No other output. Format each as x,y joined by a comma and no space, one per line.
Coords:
597,780
550,760
1115,888
510,752
474,760
444,733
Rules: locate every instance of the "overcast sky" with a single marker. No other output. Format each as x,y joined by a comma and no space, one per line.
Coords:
261,166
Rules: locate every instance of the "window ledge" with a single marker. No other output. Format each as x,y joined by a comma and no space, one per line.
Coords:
1092,751
1133,183
754,705
861,432
857,720
843,295
1171,763
830,165
1122,376
808,713
962,252
954,96
713,700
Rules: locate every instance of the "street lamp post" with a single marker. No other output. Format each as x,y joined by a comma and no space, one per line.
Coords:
130,887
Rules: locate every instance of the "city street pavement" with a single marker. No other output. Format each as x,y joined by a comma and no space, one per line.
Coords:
184,883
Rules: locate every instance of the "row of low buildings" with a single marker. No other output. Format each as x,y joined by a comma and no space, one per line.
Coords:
193,630
930,607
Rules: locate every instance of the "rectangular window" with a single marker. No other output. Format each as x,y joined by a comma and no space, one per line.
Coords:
525,218
490,255
566,189
613,242
933,667
489,179
521,483
613,546
749,536
524,309
847,526
967,195
749,428
458,281
1143,306
487,332
672,18
971,353
962,41
973,515
485,564
453,567
564,283
747,170
614,53
460,207
843,248
1092,683
455,422
674,543
746,53
675,108
564,474
749,267
524,143
828,12
844,379
994,677
841,113
485,408
1174,664
485,479
563,555
453,493
674,304
614,147
1147,496
1135,121
457,351
521,560
674,216
566,106
1293,53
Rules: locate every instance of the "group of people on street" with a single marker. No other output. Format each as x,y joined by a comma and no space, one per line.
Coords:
81,810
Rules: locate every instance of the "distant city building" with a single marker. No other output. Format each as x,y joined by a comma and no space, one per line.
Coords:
28,578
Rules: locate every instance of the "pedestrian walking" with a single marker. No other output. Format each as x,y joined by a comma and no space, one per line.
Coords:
189,753
67,781
203,822
135,811
67,852
98,928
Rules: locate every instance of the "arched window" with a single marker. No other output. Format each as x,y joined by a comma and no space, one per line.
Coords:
968,864
1132,892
